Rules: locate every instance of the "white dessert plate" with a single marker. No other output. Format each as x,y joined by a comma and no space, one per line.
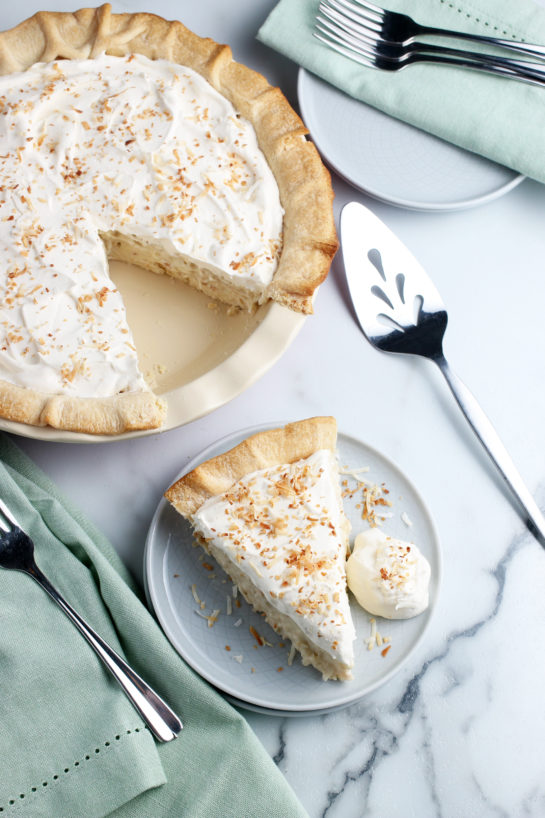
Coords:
193,352
227,654
392,161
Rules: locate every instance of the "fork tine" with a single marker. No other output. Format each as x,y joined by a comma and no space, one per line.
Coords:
379,12
350,34
344,38
359,11
357,29
8,516
349,11
346,50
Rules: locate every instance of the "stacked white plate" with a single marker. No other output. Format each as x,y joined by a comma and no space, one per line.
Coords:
393,161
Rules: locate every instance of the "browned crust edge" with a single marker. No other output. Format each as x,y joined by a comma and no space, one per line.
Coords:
310,240
273,447
111,415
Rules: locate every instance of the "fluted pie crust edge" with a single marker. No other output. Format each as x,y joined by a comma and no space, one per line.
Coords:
264,450
309,237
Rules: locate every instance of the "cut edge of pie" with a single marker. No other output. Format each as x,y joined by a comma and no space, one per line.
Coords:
274,447
309,236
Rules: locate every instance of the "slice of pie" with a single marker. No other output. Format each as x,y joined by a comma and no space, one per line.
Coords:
270,512
129,137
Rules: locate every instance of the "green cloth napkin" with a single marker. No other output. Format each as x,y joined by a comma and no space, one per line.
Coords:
498,118
71,744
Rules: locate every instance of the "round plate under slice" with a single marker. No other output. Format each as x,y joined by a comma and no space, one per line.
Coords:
195,352
184,586
393,161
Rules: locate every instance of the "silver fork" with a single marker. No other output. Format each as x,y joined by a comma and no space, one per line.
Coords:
400,310
394,27
17,553
353,36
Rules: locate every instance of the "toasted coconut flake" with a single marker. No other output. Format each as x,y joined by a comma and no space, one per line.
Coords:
354,472
256,636
371,641
256,569
213,618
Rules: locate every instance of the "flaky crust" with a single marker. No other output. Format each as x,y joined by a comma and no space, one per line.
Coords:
309,237
112,415
272,447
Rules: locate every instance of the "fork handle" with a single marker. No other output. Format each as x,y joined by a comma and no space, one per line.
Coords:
521,48
504,68
488,436
162,721
530,69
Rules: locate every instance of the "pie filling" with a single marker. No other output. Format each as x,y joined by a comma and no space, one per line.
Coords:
283,531
132,158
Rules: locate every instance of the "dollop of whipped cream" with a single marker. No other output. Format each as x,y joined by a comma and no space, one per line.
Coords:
286,529
143,147
388,577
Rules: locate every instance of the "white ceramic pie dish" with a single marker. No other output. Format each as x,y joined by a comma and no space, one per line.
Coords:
172,566
198,356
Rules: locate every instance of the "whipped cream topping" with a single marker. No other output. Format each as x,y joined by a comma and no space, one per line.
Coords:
146,148
285,528
388,577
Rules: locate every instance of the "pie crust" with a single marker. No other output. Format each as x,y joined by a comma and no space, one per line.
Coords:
309,238
263,450
274,447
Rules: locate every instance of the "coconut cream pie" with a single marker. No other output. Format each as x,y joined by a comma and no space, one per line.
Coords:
270,512
128,137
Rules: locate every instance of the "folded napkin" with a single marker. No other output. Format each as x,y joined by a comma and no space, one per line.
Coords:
71,744
501,119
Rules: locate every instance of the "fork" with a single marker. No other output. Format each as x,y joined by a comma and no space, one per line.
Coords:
400,310
394,27
344,32
17,553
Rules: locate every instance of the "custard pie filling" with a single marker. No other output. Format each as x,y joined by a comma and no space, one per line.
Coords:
116,156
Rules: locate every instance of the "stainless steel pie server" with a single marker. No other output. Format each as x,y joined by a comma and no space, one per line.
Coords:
400,310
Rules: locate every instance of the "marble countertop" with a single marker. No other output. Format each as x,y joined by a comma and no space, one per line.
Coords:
458,732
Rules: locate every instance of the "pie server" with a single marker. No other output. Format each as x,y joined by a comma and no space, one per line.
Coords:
400,310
